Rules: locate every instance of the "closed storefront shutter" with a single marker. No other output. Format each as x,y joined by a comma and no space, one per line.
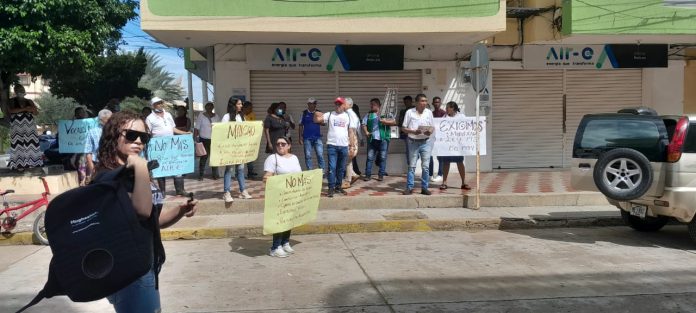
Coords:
295,87
527,118
592,91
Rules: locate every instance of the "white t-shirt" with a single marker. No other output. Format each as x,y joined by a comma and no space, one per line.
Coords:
237,118
279,165
205,125
338,127
160,125
413,120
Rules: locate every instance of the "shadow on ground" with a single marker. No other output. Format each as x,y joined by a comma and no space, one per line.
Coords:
254,247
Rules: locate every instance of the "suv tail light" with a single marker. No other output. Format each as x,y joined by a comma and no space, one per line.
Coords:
674,150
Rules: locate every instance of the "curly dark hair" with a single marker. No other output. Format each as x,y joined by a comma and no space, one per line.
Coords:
108,143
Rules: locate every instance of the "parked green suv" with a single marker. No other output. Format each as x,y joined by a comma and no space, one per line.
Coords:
643,163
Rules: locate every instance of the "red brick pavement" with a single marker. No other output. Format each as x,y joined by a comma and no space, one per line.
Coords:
492,183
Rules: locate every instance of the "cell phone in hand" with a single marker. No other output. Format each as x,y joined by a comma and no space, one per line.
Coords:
190,196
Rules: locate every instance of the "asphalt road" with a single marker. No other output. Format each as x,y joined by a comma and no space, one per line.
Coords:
610,269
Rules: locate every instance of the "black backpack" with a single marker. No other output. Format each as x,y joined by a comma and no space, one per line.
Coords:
99,244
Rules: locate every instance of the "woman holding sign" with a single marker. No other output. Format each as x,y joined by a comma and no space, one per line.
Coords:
279,163
452,111
234,114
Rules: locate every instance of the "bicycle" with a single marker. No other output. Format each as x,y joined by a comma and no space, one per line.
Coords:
9,222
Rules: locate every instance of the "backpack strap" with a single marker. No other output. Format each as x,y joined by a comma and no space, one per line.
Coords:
49,290
40,296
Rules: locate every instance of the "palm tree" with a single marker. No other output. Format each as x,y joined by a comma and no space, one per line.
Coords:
159,81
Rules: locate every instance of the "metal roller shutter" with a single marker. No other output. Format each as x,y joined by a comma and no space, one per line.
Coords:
591,91
527,118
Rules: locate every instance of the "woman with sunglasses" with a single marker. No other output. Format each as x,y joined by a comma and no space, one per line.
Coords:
234,114
281,162
124,138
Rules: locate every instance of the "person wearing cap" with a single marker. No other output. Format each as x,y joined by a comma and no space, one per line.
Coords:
337,141
418,124
161,123
310,133
350,174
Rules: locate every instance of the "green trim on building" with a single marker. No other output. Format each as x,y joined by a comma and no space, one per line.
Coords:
639,17
325,8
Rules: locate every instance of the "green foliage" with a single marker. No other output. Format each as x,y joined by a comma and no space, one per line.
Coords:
4,138
134,105
159,81
112,76
52,109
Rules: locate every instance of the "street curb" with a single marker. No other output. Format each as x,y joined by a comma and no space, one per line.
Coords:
218,207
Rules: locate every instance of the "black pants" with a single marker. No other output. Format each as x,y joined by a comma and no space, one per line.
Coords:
178,184
203,161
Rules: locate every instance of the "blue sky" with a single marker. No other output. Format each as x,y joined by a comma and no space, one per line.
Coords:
171,58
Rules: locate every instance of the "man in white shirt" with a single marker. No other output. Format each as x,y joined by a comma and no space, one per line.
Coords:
337,141
161,124
203,130
418,125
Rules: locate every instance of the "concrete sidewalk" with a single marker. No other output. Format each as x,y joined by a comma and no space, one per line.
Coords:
250,224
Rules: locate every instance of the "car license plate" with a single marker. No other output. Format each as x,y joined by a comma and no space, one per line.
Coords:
639,210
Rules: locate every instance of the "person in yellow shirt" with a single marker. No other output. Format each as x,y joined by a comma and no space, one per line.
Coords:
249,115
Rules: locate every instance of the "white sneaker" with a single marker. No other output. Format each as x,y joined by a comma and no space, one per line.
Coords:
227,197
288,249
245,195
279,253
436,179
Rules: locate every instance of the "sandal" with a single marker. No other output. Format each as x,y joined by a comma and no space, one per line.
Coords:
466,187
443,187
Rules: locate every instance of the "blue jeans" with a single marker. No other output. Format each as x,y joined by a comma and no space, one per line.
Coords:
239,169
139,296
416,149
318,147
377,149
280,239
337,164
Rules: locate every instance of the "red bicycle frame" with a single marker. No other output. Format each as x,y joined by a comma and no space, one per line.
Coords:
35,204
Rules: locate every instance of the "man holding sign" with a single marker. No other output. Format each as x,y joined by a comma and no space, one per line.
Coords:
292,199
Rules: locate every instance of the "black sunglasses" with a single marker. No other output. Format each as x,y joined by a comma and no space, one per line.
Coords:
282,144
132,135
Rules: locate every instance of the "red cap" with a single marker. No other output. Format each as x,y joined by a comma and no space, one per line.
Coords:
340,100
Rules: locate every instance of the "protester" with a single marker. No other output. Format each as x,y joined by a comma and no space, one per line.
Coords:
145,112
124,137
282,162
310,134
353,137
288,118
377,130
337,140
418,124
114,105
203,132
24,144
356,111
249,115
408,104
274,126
182,122
438,112
79,160
452,112
93,142
162,124
234,114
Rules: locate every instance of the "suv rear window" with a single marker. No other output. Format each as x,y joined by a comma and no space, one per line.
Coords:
690,143
604,134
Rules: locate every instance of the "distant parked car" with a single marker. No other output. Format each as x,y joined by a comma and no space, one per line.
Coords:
643,163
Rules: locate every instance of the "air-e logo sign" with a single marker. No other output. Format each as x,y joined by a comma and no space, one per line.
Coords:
566,53
293,54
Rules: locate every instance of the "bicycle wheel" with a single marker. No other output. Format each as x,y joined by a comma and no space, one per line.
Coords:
40,229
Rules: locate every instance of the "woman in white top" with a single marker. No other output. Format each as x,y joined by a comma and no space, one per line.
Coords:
452,111
203,131
234,114
281,162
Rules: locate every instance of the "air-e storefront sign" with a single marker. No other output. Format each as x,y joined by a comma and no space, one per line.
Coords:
611,56
338,58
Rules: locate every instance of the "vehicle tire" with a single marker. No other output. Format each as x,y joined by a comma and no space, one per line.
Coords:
39,228
623,174
649,224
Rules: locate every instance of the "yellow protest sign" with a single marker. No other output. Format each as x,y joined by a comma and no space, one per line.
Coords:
235,143
291,200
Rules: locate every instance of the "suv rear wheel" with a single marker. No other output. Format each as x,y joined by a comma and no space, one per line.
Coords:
649,224
623,174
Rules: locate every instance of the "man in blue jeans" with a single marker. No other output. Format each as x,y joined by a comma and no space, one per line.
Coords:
337,141
311,135
418,125
376,129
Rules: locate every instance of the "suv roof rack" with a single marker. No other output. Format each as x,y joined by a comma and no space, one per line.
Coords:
642,110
